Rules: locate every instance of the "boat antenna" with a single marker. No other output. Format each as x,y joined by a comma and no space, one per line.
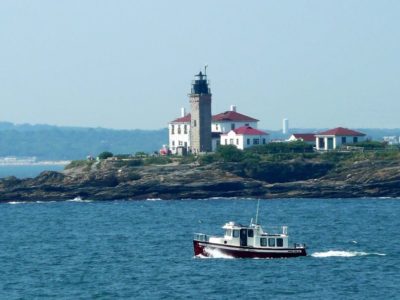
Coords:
258,206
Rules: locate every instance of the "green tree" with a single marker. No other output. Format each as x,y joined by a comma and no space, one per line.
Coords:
105,155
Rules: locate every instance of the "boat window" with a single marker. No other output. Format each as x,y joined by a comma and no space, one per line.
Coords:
263,242
236,233
271,242
279,242
228,232
250,233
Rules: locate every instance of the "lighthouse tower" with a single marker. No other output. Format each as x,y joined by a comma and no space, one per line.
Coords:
200,101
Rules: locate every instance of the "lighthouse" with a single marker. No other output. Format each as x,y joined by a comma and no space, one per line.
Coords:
200,102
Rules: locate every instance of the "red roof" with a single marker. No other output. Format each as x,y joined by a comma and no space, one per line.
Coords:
234,116
185,119
306,137
247,130
228,116
340,131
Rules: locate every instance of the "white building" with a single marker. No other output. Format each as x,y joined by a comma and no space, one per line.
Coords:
391,140
308,138
179,133
179,129
231,119
244,137
336,137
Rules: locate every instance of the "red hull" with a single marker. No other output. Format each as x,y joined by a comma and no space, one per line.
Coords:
247,252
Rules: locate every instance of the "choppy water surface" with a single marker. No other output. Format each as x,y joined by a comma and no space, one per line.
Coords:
143,250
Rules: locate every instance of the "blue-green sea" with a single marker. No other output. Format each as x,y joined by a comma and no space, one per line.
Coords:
25,171
143,250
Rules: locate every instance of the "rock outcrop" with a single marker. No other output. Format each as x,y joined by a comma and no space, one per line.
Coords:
111,180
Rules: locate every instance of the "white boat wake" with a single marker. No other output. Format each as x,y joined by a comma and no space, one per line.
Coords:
214,253
79,199
335,253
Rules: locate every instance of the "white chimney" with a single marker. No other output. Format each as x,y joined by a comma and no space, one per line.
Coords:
183,112
233,107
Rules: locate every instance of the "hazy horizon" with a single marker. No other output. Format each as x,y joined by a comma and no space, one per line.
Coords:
129,64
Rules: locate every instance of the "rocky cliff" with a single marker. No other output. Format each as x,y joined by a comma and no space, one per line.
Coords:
110,179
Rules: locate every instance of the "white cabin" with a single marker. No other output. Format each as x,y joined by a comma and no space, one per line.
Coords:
252,235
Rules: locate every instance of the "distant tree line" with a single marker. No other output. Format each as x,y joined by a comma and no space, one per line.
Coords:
68,143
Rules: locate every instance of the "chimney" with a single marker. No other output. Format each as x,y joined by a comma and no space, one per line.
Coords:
183,112
233,107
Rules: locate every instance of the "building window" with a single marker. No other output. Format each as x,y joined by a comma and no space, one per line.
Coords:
343,140
279,242
355,139
216,127
237,141
248,141
194,123
173,143
180,143
247,124
231,141
233,126
185,129
321,143
271,242
256,141
226,141
172,129
263,141
179,129
263,242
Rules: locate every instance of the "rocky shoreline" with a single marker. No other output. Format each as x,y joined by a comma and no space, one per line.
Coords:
111,180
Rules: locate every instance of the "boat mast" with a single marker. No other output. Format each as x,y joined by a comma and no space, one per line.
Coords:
258,206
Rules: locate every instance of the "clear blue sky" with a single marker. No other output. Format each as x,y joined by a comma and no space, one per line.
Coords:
129,64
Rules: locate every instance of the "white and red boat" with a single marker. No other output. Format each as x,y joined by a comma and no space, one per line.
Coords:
240,241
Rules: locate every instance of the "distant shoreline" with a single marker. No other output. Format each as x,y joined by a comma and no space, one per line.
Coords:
38,163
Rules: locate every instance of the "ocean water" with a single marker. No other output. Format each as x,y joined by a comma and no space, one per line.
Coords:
143,250
26,171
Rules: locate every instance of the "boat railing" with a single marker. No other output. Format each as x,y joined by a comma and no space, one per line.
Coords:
276,229
201,237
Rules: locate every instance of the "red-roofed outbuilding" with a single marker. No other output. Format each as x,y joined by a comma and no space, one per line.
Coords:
334,138
244,137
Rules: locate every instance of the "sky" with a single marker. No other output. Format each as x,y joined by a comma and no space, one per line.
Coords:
129,64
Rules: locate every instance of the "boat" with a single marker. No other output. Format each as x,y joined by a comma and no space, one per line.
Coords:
248,241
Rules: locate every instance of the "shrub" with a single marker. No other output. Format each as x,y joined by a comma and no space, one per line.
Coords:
229,153
105,155
79,163
207,159
157,160
370,145
282,147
